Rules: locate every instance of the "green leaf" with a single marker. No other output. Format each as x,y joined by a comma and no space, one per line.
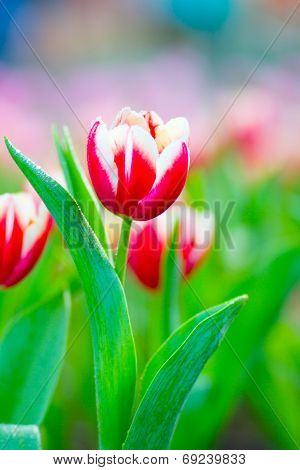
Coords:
79,186
228,371
177,338
31,353
114,350
13,437
155,420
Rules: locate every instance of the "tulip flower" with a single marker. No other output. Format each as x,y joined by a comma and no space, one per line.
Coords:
138,167
252,126
150,240
25,224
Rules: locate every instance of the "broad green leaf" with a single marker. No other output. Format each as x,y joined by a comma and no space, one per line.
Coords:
31,354
114,351
14,437
79,186
229,369
155,420
177,338
71,420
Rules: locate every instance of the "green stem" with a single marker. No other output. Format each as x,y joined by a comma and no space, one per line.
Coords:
170,316
121,258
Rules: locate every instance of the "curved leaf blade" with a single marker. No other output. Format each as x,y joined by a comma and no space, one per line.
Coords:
113,345
155,420
170,346
13,437
31,352
227,373
79,186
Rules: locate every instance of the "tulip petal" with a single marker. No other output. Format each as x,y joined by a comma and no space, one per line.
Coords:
135,156
171,173
24,227
140,162
3,208
12,246
196,237
118,137
101,165
175,129
33,244
153,120
145,254
131,118
4,198
34,231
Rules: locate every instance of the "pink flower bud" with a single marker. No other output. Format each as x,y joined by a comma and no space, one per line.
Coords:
150,239
138,167
25,224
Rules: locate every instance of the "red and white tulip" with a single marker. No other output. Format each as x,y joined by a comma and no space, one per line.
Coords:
139,166
150,239
25,224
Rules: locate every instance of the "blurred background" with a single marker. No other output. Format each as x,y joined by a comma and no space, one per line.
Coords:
232,68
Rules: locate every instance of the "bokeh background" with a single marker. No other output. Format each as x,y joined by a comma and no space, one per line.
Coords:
233,69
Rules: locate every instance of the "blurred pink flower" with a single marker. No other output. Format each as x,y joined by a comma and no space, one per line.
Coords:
25,224
251,125
149,242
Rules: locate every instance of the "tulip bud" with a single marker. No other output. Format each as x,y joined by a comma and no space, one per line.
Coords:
138,167
150,240
25,224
